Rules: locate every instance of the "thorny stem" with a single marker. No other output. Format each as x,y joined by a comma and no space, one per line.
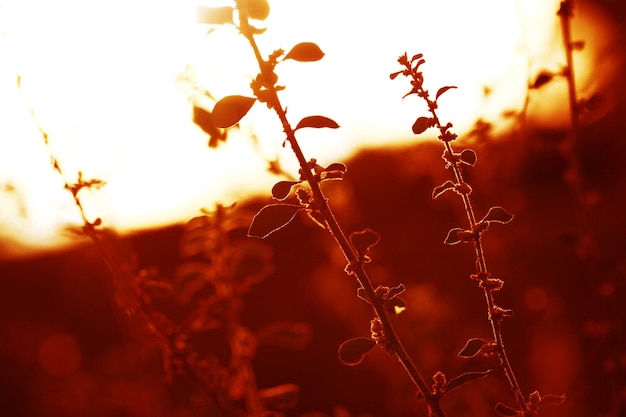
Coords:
355,265
481,263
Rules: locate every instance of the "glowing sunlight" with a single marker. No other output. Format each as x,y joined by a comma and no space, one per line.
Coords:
113,84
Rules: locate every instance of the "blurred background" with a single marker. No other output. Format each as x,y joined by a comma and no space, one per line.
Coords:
134,325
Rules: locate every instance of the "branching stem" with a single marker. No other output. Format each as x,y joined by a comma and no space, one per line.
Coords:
481,263
355,264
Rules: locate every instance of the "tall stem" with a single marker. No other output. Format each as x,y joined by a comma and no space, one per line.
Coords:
354,262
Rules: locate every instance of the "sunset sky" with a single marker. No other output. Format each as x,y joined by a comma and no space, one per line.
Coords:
111,85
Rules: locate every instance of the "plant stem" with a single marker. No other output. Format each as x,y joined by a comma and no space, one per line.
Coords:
481,263
355,264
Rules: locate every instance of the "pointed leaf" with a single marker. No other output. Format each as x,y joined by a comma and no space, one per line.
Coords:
471,348
362,241
443,90
551,400
214,15
465,378
421,124
352,351
454,236
305,52
229,110
317,122
448,185
506,411
271,218
281,189
498,215
468,157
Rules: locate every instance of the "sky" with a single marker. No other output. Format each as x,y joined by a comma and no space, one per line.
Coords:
113,85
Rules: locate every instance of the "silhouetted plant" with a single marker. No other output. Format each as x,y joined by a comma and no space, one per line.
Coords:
311,200
472,234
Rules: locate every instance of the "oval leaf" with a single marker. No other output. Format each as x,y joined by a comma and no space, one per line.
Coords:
448,185
551,400
506,411
281,189
542,79
305,52
271,218
471,348
421,124
498,215
317,122
229,110
468,157
336,166
454,236
464,379
443,90
351,352
258,9
362,241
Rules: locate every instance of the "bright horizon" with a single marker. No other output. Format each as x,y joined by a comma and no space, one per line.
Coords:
104,81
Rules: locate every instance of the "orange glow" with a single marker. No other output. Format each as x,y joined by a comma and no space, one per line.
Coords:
101,79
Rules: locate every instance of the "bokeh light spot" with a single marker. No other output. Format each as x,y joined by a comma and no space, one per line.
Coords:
59,354
536,299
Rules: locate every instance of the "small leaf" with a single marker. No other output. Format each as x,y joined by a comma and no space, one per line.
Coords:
271,218
352,351
333,171
305,52
443,90
258,9
336,166
471,348
454,236
229,110
507,411
395,291
421,124
214,15
395,305
362,241
204,120
448,185
543,78
498,215
465,378
281,189
551,400
281,397
468,157
317,122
